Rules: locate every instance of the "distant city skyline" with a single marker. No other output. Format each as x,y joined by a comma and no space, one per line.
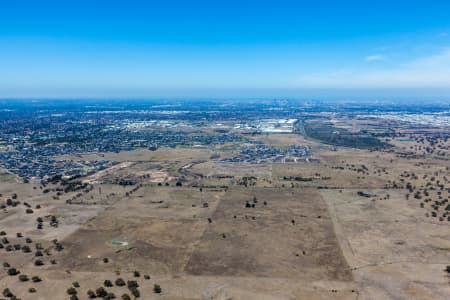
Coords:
224,49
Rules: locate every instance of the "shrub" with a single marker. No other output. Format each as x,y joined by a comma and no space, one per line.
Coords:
76,284
36,279
32,290
136,274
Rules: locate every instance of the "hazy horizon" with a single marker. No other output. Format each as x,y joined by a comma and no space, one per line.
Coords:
250,94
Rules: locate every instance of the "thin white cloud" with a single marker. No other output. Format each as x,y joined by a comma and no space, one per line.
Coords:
374,58
426,72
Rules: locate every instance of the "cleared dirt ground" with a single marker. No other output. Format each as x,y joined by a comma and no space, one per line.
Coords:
290,236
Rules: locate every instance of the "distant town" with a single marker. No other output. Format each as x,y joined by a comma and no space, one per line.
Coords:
32,137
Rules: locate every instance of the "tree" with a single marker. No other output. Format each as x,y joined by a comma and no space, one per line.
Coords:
132,283
157,289
71,291
58,247
110,296
126,297
13,272
108,283
7,293
23,278
120,282
135,292
100,292
91,294
38,262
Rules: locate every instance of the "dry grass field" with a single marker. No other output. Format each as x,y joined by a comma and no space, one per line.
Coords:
292,231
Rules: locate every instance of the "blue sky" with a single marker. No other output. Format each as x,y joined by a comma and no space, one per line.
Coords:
223,48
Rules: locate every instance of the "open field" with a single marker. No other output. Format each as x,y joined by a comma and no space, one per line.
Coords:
205,229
